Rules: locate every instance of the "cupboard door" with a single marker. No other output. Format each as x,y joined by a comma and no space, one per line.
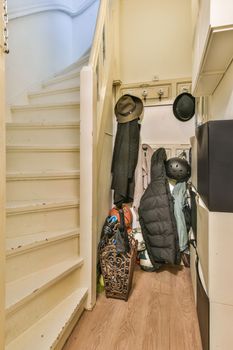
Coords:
203,310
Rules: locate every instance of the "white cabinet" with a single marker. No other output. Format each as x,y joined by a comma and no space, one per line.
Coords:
221,322
213,280
213,45
215,251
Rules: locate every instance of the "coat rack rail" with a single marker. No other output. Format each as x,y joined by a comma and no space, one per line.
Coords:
159,105
156,93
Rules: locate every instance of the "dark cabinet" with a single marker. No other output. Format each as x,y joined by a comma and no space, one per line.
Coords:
215,164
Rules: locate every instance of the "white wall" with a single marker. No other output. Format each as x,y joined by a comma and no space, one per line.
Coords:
2,196
38,48
221,12
202,28
222,99
83,30
159,126
194,11
156,39
17,8
45,37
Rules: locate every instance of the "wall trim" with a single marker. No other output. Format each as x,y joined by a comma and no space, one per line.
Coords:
47,7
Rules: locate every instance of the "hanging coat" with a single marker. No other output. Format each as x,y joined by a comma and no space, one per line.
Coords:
179,194
156,215
124,161
142,174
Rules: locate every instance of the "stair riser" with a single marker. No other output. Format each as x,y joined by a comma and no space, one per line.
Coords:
61,83
55,97
43,136
46,115
20,320
74,67
42,189
20,265
35,222
29,161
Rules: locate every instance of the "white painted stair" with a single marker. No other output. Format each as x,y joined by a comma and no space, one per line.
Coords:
69,80
52,95
56,133
48,112
45,293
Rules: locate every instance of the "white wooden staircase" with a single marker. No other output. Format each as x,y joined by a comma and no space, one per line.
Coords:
45,294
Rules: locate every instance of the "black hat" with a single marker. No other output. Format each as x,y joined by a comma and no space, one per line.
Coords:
128,108
184,106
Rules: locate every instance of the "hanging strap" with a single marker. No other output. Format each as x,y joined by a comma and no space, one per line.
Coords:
123,230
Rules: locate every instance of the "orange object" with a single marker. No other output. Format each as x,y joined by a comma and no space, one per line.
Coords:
127,215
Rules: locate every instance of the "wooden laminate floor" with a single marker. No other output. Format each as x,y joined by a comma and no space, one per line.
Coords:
159,315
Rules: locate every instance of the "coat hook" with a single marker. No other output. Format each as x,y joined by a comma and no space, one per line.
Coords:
160,93
144,94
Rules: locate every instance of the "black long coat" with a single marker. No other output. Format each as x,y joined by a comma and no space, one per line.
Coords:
124,161
156,215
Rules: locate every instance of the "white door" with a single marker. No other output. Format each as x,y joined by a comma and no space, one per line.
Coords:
2,173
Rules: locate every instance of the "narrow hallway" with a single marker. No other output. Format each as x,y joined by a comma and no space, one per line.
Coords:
159,315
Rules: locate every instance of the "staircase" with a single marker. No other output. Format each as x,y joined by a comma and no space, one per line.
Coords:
45,295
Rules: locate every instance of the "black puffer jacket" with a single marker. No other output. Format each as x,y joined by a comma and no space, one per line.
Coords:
156,215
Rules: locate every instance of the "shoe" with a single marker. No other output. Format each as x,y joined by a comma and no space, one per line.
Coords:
137,235
145,262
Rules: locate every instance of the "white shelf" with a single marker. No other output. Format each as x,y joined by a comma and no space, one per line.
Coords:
216,58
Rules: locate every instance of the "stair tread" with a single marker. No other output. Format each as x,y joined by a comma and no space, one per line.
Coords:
60,78
36,205
53,91
42,335
42,125
46,106
42,147
42,175
23,289
24,242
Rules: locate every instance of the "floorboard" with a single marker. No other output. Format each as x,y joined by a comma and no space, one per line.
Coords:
159,315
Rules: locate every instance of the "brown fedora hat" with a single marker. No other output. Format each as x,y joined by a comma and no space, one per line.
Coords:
128,108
